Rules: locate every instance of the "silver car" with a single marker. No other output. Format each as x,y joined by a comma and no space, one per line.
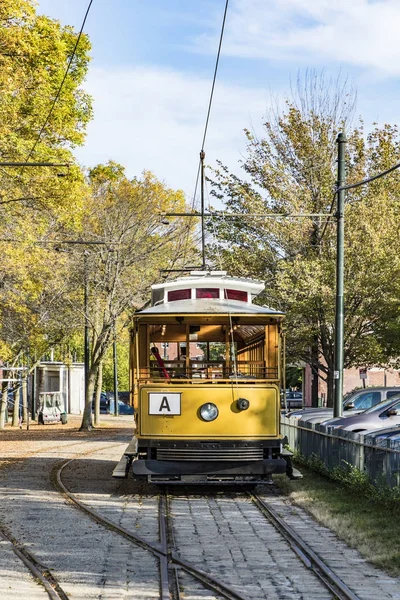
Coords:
354,402
385,414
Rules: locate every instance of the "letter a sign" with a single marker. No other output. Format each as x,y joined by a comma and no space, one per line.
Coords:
167,403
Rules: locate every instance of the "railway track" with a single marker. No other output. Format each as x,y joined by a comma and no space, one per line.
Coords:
171,565
169,561
310,559
41,573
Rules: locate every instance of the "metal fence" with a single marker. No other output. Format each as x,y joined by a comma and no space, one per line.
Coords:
379,459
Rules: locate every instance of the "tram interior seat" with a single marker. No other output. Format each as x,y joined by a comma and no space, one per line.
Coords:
209,352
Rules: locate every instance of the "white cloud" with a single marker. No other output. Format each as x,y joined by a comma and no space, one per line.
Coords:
149,118
359,33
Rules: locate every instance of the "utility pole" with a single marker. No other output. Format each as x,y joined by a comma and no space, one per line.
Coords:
116,411
86,337
203,245
339,313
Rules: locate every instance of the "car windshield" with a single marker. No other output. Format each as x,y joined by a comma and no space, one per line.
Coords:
382,405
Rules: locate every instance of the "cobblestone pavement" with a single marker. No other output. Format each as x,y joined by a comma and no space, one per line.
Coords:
368,582
89,561
130,505
221,532
226,535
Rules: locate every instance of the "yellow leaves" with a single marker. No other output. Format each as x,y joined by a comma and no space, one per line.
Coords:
35,52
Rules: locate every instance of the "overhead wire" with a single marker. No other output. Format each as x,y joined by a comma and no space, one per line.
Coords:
208,114
71,58
211,97
352,186
232,352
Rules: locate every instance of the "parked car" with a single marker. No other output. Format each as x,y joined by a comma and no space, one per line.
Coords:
354,402
107,403
293,400
385,414
368,397
123,409
11,396
104,403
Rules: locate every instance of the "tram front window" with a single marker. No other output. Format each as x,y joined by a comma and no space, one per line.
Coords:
212,351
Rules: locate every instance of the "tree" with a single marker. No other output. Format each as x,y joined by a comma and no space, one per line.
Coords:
124,216
292,170
122,361
34,54
34,202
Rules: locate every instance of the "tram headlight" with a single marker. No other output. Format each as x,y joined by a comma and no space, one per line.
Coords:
208,411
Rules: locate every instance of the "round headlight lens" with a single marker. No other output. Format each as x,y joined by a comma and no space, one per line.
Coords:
208,412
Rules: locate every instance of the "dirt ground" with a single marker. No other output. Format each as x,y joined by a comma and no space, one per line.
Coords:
16,442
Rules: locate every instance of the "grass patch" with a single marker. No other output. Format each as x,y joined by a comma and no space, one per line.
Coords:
364,517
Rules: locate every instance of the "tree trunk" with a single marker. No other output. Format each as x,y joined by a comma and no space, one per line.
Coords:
87,424
25,399
331,385
15,419
314,371
99,384
3,404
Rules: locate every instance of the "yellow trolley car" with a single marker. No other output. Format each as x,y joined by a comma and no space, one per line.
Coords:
206,370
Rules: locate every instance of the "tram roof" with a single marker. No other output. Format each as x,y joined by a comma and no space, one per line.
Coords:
214,277
209,306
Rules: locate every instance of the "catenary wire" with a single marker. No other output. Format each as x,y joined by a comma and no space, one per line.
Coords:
211,96
352,186
215,75
231,330
62,83
208,114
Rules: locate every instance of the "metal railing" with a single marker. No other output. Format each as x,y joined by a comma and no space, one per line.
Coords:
211,370
378,459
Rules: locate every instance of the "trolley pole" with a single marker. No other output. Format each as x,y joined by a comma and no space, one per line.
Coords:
203,244
339,313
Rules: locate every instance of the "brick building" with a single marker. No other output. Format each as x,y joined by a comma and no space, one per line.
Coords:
374,376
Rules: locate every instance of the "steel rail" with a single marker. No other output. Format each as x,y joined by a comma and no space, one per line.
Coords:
310,559
156,549
167,540
211,582
164,574
39,571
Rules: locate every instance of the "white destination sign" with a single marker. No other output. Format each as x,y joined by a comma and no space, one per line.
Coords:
167,403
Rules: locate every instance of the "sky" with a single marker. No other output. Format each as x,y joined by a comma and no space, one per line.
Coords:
153,62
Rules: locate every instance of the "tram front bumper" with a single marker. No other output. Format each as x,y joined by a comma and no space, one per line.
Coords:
223,468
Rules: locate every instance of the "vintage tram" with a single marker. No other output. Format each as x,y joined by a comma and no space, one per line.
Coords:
206,374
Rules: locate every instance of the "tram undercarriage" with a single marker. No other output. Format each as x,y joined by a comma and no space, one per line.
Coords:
205,461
